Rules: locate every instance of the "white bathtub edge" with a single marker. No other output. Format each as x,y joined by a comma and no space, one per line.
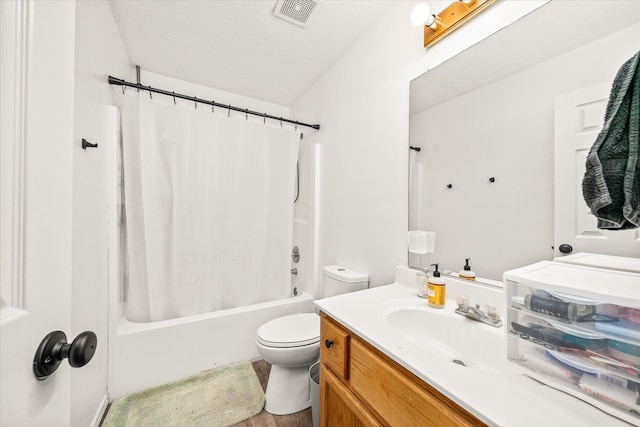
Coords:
148,355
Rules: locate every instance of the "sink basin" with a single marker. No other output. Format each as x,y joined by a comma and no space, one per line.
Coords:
453,337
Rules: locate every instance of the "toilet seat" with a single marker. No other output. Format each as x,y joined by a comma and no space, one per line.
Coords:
296,330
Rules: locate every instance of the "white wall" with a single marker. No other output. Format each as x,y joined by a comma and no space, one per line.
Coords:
362,105
508,133
99,52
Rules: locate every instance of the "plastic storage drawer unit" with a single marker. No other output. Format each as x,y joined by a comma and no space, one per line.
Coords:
577,329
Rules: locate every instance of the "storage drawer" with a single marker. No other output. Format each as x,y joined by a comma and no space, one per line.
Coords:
577,329
397,397
334,347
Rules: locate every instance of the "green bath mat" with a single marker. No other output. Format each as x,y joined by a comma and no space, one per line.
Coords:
217,398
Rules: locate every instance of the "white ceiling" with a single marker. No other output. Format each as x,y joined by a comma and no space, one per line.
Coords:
238,45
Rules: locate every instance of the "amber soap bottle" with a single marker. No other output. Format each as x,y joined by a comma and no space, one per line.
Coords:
436,289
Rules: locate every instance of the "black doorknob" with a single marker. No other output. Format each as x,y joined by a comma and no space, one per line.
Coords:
54,348
565,248
328,343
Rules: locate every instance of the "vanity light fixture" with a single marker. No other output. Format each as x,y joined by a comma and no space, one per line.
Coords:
438,26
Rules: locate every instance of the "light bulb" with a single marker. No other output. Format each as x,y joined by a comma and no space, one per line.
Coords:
420,14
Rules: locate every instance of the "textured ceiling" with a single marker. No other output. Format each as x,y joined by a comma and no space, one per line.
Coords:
238,45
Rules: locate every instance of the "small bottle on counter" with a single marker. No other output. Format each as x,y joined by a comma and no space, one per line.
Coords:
436,289
466,272
421,280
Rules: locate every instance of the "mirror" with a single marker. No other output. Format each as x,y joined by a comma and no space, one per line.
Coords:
483,179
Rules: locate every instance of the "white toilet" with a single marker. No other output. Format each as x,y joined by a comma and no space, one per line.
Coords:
291,344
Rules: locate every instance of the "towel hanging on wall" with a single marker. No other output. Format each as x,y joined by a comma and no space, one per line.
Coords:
611,184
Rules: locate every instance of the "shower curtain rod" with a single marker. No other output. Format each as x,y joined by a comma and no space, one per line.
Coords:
121,82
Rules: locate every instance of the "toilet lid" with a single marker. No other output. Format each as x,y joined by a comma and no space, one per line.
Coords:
295,330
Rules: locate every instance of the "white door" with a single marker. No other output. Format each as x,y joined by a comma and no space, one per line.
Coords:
579,116
36,123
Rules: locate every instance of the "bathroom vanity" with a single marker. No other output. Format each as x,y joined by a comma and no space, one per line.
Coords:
387,359
361,386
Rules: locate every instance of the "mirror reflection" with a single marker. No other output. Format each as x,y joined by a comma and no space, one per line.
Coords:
485,123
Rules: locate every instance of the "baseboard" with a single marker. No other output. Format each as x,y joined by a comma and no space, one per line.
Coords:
102,408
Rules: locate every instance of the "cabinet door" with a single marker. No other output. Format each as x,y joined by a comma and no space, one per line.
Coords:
401,399
338,407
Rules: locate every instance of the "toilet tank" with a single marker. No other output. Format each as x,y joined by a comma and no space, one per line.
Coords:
340,280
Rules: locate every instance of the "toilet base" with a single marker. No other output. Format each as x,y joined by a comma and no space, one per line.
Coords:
287,390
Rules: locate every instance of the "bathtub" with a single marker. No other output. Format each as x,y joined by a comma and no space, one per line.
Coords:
145,355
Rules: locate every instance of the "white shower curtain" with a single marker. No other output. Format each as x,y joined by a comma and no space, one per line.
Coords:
209,209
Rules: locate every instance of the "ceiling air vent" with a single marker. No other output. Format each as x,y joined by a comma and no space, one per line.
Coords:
297,12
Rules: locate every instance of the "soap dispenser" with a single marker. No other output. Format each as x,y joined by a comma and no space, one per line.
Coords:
467,272
435,289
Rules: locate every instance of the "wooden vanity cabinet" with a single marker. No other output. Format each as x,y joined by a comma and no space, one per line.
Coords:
360,386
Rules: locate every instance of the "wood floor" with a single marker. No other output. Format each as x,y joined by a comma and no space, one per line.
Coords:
265,419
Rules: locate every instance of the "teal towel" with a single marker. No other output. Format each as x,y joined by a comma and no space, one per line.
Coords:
611,184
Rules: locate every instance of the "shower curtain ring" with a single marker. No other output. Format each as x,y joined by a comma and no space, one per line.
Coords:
195,103
296,127
246,114
123,89
280,121
213,104
229,111
264,119
150,96
174,98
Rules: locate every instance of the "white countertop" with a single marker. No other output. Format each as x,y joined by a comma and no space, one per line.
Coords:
498,400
